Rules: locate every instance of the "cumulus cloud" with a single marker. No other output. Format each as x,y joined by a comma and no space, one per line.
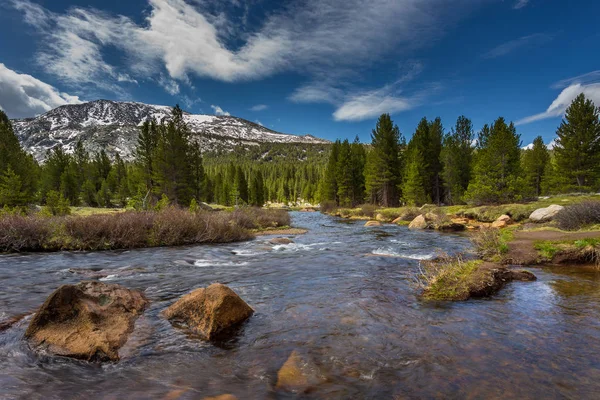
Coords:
22,95
564,99
318,38
259,107
219,111
506,48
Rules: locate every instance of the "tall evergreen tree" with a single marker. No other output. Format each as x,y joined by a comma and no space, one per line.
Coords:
457,157
16,167
344,176
413,192
497,166
329,189
534,163
359,159
578,144
383,175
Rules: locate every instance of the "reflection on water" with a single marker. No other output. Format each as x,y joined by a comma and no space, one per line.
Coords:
343,295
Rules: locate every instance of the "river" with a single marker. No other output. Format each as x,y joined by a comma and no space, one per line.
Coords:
342,295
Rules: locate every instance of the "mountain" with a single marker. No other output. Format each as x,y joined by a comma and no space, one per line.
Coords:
114,127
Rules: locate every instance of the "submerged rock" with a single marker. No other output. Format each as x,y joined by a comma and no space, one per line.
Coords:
298,374
545,214
209,311
281,240
88,321
372,223
222,397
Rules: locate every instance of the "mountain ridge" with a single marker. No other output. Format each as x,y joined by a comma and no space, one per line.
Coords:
114,127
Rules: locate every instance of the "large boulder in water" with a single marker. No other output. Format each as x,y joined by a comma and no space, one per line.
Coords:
88,321
209,311
545,214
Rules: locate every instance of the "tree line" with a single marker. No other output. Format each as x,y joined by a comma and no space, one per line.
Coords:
434,166
168,167
459,166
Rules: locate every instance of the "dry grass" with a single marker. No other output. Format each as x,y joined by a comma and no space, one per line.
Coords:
491,243
133,229
447,278
578,216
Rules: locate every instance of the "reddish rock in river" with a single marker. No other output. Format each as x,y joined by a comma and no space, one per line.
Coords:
210,311
88,321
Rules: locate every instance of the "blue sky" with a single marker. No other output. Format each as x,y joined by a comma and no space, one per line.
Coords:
322,67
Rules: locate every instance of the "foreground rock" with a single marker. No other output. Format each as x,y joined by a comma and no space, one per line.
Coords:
281,240
88,321
298,374
545,214
210,312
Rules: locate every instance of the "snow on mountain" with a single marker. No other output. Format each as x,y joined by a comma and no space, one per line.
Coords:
549,146
114,127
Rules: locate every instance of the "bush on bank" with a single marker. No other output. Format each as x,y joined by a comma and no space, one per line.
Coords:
133,229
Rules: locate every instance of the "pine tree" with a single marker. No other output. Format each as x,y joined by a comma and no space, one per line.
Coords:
457,157
359,159
344,176
382,174
578,144
534,163
241,186
432,154
12,192
329,190
22,167
497,166
413,191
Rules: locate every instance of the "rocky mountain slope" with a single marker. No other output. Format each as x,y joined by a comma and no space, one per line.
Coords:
114,127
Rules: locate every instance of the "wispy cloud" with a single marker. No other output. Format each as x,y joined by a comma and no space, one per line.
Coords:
356,105
564,99
219,111
536,39
258,122
179,39
585,79
259,107
22,95
520,4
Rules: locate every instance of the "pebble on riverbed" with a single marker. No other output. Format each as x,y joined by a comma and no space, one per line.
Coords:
299,374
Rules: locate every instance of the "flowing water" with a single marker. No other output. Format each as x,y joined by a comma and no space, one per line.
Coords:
342,295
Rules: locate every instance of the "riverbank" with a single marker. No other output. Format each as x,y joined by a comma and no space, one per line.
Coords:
134,229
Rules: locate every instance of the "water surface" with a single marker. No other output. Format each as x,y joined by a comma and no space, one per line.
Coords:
342,295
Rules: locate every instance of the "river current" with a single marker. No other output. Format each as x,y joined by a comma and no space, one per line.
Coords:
342,295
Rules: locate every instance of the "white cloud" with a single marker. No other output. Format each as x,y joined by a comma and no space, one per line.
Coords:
372,104
318,38
564,99
259,107
22,95
357,105
219,111
520,4
590,77
171,86
513,45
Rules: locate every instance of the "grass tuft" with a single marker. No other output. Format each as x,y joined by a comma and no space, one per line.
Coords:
447,279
